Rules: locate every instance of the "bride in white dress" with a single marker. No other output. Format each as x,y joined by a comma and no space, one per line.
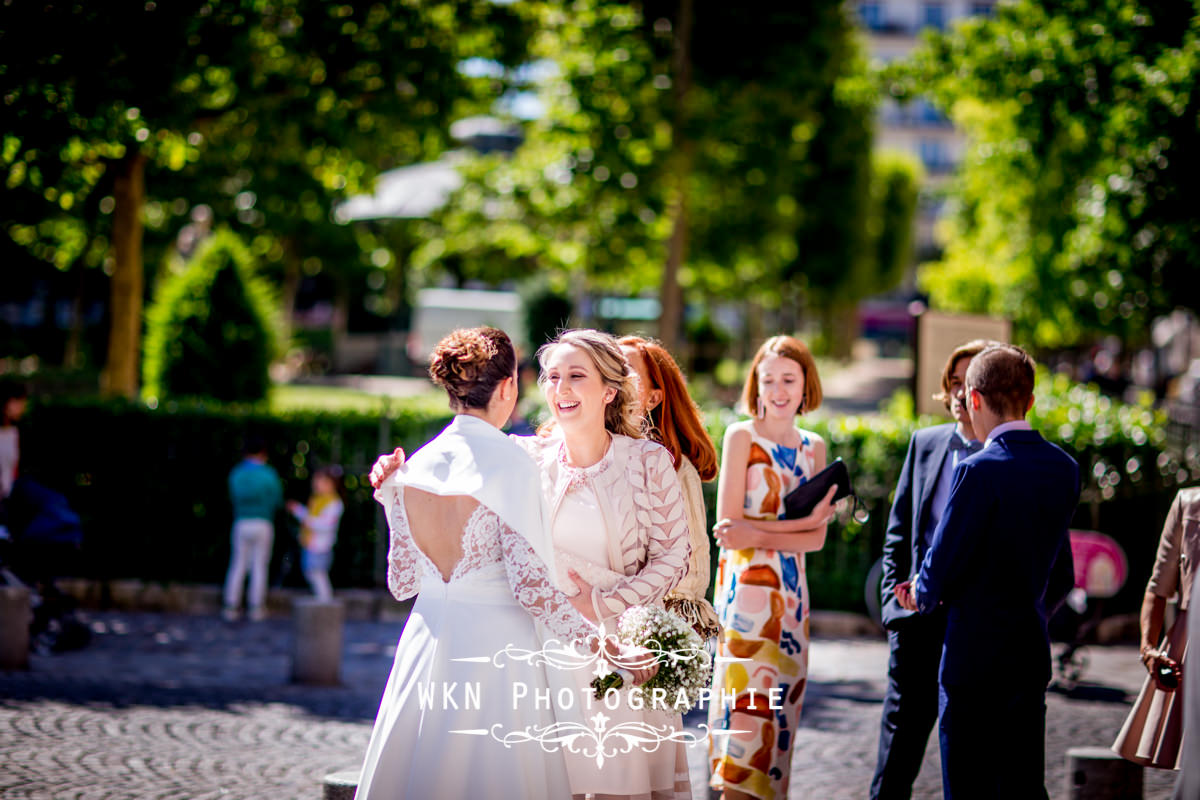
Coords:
469,534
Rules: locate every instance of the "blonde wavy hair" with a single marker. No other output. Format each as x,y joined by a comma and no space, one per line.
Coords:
622,415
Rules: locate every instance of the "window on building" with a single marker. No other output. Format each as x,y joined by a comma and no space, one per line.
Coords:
983,9
871,15
926,114
933,15
934,155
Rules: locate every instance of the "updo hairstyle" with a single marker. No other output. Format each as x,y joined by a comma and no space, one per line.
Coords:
470,363
622,415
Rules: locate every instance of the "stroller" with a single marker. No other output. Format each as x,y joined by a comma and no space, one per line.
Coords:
39,536
1100,571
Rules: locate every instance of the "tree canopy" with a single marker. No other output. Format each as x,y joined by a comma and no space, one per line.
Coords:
684,147
1073,213
268,111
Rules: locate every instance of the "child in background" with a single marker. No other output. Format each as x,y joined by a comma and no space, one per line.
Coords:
318,529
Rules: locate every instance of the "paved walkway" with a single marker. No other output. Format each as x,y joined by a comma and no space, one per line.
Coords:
174,706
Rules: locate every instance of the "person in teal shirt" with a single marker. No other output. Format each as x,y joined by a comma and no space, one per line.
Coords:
256,493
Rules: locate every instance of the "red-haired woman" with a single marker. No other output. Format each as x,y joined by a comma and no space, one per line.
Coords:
675,423
762,595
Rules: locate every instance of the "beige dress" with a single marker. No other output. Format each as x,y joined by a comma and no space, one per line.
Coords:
621,525
1153,731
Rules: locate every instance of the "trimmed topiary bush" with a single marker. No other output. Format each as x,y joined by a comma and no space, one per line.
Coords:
212,330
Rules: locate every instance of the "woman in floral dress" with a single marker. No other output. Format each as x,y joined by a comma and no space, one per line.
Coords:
761,668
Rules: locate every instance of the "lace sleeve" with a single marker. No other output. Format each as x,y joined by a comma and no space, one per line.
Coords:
404,570
661,511
536,592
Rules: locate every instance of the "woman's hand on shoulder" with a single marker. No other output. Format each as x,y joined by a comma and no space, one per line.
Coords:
385,465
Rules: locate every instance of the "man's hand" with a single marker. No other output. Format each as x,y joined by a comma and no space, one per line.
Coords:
385,465
904,596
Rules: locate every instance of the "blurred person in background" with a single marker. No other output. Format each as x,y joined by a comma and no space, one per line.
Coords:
257,494
318,529
1153,731
42,533
13,399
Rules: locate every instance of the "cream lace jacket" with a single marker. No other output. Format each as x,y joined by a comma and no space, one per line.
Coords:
644,513
689,598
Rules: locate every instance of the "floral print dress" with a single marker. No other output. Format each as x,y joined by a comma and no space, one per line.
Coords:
762,600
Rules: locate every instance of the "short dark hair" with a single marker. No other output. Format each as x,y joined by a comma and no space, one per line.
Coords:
255,444
11,389
968,350
1003,374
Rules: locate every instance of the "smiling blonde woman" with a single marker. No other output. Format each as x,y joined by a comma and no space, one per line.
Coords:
619,529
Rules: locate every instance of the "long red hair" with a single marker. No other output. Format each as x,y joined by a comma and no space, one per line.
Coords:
676,421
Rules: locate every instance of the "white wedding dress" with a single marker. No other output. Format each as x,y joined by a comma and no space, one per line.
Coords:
449,698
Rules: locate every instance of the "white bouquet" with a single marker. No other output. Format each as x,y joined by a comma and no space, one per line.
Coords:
684,667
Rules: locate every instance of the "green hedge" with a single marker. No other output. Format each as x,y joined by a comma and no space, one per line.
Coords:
150,483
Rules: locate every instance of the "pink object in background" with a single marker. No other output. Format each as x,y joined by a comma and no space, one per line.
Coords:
1100,564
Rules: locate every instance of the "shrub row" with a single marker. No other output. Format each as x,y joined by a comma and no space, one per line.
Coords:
151,483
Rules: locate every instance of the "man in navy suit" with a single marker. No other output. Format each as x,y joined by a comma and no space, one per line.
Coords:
999,564
910,707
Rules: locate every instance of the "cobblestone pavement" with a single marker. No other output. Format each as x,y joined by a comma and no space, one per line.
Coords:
172,706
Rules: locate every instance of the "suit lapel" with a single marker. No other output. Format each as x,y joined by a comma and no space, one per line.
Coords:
930,474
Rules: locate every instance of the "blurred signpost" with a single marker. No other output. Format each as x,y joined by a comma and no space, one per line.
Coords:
938,334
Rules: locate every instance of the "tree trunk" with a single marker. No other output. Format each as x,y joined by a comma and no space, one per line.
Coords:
840,329
120,377
72,355
290,286
670,294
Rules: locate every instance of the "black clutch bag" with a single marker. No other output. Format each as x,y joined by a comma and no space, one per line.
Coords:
803,499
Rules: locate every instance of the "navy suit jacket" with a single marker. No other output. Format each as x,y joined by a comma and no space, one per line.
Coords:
1000,562
903,549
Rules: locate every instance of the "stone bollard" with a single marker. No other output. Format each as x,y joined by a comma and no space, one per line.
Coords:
341,785
1097,773
15,616
317,641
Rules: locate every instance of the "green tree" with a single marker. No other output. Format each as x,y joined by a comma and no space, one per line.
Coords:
895,188
834,264
1075,203
676,143
213,329
275,109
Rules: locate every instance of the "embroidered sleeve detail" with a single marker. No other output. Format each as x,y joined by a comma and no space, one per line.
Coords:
536,592
656,507
404,565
